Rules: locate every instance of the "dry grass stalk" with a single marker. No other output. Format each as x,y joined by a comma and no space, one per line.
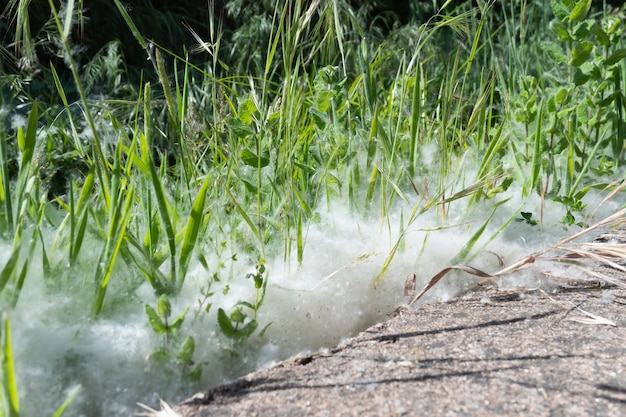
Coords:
602,253
165,411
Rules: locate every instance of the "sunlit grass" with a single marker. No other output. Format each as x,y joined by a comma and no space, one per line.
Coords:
442,117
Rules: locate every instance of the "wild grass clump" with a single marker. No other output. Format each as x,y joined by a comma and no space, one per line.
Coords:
236,153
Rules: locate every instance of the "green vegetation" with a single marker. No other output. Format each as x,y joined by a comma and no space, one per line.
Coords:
235,143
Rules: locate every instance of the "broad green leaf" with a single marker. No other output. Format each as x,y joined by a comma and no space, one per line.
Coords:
186,351
155,321
196,373
560,10
239,128
319,118
562,95
237,316
225,324
160,355
178,321
251,159
250,188
615,57
560,31
580,11
554,51
580,77
247,111
612,24
581,53
323,100
247,330
602,37
164,308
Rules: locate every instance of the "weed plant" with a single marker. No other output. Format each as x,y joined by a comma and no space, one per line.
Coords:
444,116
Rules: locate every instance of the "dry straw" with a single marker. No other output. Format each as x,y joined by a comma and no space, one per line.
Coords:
603,253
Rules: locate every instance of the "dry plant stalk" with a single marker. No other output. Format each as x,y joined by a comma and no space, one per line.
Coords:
592,251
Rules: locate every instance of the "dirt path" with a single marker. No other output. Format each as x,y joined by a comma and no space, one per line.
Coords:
487,353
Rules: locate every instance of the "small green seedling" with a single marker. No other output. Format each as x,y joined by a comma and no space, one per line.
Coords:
528,218
239,326
159,321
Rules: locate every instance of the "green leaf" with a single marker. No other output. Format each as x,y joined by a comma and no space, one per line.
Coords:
163,205
323,100
247,111
225,324
612,24
121,7
560,10
10,268
615,57
178,321
237,316
528,218
164,307
562,95
70,398
160,355
262,333
239,128
602,37
196,374
155,321
320,118
251,159
186,351
247,330
581,53
8,383
192,229
580,11
536,158
27,142
251,188
554,51
581,113
580,77
560,30
246,304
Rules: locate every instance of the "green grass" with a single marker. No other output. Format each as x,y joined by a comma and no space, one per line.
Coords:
208,155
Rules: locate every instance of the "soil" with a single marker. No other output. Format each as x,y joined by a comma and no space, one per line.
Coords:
490,352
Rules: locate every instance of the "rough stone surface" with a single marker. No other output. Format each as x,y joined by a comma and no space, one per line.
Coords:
489,353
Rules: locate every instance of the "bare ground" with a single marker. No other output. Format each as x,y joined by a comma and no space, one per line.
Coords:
489,353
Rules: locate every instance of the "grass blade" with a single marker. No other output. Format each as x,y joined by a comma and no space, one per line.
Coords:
464,252
536,159
192,229
70,398
9,383
245,216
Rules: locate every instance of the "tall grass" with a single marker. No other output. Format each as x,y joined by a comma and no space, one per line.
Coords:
205,157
